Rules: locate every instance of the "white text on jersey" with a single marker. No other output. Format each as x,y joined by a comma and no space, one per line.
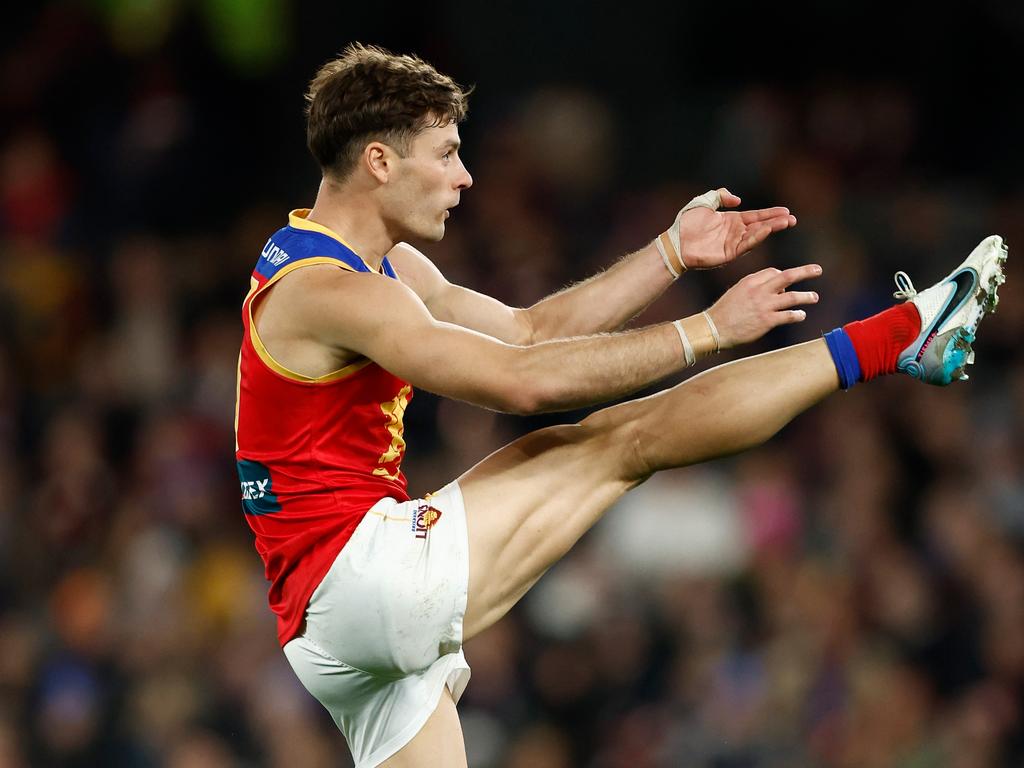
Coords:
255,489
274,254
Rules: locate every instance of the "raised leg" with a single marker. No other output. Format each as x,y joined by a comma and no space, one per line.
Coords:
529,502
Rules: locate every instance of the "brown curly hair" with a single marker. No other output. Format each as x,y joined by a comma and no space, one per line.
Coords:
370,94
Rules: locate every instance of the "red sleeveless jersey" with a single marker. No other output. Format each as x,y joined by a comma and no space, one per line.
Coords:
313,455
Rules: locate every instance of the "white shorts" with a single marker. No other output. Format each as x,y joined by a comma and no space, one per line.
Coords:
383,632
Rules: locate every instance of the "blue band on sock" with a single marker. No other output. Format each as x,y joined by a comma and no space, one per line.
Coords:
844,356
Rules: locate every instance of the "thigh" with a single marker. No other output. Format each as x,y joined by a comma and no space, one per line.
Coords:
439,743
381,717
393,601
528,503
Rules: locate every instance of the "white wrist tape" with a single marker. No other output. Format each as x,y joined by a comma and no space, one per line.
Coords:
670,238
688,354
714,331
664,257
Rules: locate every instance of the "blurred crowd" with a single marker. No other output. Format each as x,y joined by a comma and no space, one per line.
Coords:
850,594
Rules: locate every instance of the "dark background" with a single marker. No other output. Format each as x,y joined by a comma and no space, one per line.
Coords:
852,594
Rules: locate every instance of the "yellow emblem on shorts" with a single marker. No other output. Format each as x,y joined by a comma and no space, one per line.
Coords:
425,519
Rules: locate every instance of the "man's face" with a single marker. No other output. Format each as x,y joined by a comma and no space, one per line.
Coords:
427,183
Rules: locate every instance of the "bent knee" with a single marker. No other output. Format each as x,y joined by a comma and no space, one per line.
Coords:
620,442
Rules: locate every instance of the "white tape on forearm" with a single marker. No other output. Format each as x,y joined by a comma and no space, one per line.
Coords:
688,354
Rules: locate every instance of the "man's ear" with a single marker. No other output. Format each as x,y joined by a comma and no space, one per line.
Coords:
379,160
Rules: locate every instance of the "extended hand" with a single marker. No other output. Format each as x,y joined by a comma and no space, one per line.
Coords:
760,302
710,238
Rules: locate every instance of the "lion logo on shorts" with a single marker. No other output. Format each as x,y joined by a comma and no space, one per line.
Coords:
425,519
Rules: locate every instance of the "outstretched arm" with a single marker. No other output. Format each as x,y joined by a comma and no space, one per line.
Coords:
346,312
701,237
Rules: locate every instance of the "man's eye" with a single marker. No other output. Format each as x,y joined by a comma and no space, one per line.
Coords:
446,156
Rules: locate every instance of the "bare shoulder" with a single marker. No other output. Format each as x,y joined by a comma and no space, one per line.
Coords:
301,303
317,319
320,292
316,277
406,257
416,271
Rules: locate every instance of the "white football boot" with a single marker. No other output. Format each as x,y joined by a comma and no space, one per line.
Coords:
950,313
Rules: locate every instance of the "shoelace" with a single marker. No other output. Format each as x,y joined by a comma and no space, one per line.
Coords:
905,286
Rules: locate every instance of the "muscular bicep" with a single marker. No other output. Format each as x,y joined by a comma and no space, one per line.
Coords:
388,323
456,304
470,309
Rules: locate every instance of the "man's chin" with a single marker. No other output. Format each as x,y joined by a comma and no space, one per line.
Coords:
425,235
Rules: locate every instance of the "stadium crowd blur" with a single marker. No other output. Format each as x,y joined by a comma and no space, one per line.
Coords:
851,594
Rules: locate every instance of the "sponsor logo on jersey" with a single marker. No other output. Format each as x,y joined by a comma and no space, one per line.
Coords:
257,492
254,489
426,517
274,254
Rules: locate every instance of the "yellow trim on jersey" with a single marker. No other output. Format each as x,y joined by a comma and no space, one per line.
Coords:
261,350
238,395
253,287
297,219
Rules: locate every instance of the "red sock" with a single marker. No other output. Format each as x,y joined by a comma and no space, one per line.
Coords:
879,340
